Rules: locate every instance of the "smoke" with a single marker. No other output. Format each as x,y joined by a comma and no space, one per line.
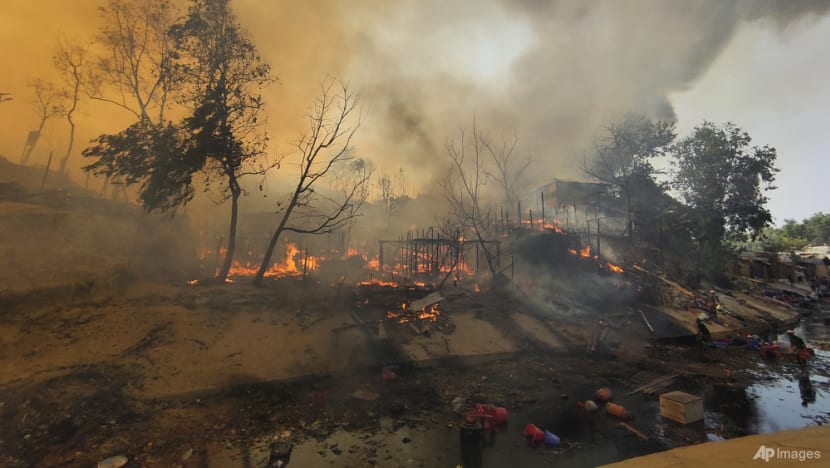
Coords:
555,71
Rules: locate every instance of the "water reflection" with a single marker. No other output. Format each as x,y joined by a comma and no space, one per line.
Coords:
805,386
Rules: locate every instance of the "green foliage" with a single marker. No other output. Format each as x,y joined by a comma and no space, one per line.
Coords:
151,157
220,78
814,230
225,75
771,240
724,179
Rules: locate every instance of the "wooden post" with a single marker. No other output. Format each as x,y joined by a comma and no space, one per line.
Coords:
543,210
46,172
530,213
501,211
519,207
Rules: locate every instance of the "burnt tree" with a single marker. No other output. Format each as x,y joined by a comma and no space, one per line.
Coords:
70,61
323,148
48,101
464,187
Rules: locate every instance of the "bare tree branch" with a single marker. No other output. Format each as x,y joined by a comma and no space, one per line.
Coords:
324,147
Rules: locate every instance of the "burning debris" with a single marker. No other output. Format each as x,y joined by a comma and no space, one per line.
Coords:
295,263
407,315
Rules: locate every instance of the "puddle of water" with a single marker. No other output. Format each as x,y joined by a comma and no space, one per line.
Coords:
783,397
785,404
774,403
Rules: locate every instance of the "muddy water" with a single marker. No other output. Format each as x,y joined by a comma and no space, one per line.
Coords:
774,401
787,397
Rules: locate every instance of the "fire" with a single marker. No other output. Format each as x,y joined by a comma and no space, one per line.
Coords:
378,282
406,315
476,288
544,226
614,268
553,227
584,252
294,264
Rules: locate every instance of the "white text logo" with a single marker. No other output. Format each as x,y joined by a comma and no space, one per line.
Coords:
766,453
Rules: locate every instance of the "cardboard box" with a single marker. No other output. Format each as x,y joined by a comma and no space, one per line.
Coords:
681,407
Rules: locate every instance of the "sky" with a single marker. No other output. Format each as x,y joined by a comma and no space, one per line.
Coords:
552,72
774,85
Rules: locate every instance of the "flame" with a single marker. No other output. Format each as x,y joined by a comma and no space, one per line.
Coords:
572,251
476,288
374,264
585,252
378,282
405,315
294,264
614,268
538,225
553,227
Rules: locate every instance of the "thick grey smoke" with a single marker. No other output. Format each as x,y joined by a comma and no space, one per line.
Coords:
580,65
555,71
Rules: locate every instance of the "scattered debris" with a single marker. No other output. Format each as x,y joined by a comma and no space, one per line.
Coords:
632,430
113,462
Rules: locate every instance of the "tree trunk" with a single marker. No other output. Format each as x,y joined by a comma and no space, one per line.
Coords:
65,158
226,264
629,214
269,252
27,150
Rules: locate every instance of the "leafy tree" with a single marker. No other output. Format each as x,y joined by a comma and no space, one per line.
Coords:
225,76
795,230
622,158
813,230
220,77
723,180
151,157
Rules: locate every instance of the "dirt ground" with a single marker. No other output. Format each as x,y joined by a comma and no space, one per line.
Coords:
175,374
106,350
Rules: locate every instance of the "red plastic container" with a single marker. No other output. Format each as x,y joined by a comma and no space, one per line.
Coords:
500,415
534,433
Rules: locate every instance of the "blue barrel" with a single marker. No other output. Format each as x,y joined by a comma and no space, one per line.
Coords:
551,440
